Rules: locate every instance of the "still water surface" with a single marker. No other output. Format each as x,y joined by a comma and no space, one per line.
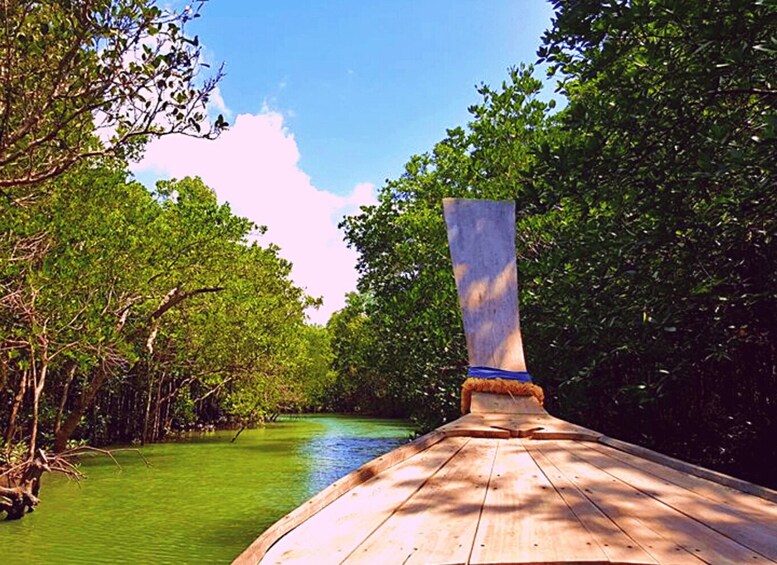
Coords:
203,500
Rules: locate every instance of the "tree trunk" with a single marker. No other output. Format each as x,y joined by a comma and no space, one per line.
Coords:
144,435
167,421
157,409
74,418
17,402
39,379
3,374
172,299
63,401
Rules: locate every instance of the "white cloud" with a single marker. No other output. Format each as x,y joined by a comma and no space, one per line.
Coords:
216,105
254,167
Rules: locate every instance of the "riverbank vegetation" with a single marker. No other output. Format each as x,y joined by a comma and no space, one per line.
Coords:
646,234
125,313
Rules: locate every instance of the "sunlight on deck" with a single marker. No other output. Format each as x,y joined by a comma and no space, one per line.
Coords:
513,500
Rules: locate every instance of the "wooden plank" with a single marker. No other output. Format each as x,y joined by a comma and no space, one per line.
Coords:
257,549
635,512
618,546
437,525
481,237
524,518
695,470
500,425
542,426
616,502
758,508
334,532
491,403
750,531
472,425
522,425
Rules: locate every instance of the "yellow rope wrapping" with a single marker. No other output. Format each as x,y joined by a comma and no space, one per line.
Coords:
498,386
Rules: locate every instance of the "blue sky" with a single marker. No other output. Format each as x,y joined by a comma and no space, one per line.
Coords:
329,99
366,84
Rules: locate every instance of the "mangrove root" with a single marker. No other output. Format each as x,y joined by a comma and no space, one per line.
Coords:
20,484
16,501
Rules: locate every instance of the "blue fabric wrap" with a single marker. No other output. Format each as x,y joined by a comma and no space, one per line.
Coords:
491,373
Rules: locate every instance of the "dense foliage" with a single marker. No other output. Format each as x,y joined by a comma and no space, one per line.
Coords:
126,313
646,225
90,78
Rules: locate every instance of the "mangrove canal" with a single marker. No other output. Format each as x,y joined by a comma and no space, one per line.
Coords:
202,500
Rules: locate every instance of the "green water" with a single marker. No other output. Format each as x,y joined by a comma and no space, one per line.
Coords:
203,500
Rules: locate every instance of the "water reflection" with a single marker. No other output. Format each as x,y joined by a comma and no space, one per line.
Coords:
334,456
203,500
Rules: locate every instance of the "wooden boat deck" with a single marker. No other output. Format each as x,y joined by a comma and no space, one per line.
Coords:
475,492
509,483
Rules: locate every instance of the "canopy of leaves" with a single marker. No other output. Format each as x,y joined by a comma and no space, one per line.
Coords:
148,311
93,77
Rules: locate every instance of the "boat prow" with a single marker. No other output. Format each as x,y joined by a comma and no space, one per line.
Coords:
509,483
524,487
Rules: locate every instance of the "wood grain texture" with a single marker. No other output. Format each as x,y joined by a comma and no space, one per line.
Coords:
747,529
473,425
691,469
438,524
617,545
757,508
616,502
259,547
500,425
332,534
524,518
636,505
490,403
481,238
622,502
